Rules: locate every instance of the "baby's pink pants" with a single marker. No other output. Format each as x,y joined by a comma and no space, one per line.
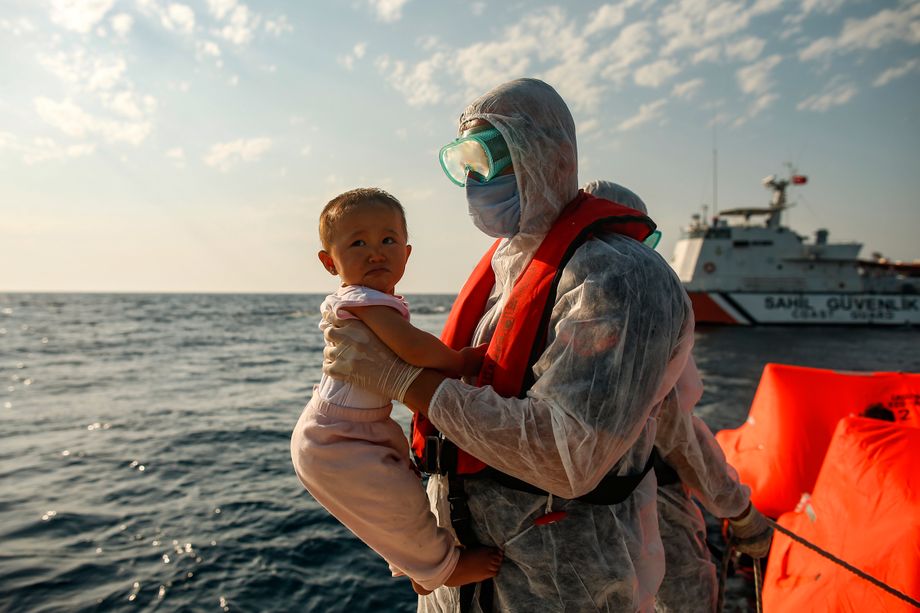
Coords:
355,462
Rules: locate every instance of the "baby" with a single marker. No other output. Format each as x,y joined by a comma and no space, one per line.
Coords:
347,450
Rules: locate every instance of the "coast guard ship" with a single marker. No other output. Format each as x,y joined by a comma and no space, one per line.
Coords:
746,267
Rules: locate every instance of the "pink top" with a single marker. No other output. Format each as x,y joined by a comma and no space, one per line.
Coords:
339,392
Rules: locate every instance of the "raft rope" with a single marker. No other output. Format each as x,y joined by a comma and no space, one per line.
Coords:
758,585
723,575
861,574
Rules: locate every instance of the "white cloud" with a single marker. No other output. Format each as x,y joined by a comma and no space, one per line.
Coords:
605,18
178,17
17,27
835,94
545,44
687,89
388,11
65,116
765,6
887,26
130,105
711,53
416,83
896,73
755,79
691,24
809,7
278,26
72,120
208,48
224,156
68,67
177,156
220,8
46,149
656,73
75,68
429,42
43,149
106,74
241,25
747,49
760,104
357,52
306,150
478,8
121,24
79,15
647,112
821,6
590,127
631,45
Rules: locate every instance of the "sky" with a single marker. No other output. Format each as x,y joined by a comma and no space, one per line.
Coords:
189,146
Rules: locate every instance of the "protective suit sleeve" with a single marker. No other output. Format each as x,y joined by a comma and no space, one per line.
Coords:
616,344
687,444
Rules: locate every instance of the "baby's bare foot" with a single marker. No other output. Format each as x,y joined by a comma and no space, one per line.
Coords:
475,564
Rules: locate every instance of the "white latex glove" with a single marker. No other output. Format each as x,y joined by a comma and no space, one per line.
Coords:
354,354
752,533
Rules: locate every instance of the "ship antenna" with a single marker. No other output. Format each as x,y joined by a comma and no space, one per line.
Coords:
715,173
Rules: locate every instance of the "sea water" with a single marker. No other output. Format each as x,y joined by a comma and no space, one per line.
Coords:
144,448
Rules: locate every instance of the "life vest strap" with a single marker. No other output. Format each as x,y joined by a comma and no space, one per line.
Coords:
613,489
441,454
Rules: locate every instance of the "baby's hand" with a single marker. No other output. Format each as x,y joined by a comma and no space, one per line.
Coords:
472,359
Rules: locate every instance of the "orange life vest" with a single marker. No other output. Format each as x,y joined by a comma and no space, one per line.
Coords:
520,336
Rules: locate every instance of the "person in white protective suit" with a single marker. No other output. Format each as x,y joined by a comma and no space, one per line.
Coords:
618,337
692,463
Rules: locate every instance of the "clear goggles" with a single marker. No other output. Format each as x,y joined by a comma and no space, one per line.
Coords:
652,239
481,154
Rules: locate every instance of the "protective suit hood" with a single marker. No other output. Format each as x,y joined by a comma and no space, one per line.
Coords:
538,128
615,192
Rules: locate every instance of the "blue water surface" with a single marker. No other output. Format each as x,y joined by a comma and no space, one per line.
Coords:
144,448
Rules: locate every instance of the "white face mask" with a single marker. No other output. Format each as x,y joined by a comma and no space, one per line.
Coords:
495,206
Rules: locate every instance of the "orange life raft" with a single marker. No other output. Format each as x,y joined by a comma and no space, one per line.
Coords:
781,447
865,509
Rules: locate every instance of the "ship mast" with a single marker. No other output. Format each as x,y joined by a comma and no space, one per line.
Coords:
715,173
778,203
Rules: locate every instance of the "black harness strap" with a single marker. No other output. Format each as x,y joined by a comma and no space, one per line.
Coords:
663,471
462,523
613,489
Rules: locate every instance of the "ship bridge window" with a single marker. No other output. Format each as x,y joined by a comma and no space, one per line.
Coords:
719,233
752,243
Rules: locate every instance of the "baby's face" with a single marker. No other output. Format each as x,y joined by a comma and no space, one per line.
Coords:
370,247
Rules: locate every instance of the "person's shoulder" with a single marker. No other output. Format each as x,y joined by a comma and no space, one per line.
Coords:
619,247
610,259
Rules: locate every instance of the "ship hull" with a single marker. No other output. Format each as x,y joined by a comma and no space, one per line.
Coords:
750,308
